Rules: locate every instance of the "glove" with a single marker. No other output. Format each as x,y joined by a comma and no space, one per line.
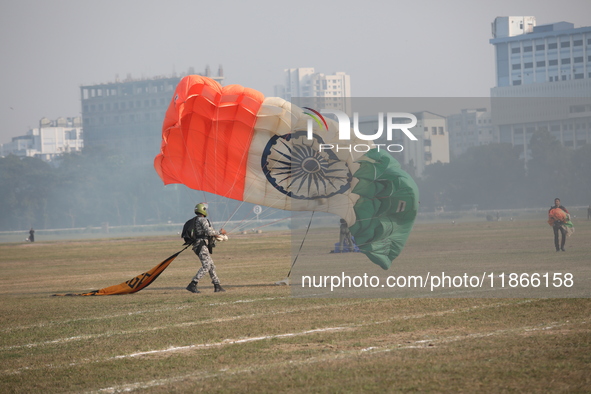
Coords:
223,232
221,237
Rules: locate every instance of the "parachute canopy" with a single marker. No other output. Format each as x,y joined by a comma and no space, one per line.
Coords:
234,142
556,214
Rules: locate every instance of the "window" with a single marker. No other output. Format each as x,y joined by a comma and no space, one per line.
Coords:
577,43
553,62
578,59
516,67
527,49
576,109
528,65
434,130
579,76
540,47
541,63
565,61
515,50
565,44
517,82
552,45
440,130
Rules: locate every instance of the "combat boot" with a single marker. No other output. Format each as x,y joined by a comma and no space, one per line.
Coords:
217,288
193,287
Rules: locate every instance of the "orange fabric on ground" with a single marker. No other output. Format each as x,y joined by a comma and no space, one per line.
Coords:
133,285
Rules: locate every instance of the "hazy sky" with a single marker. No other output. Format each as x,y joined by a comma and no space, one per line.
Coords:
423,48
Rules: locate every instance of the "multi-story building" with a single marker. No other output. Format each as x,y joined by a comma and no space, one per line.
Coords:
471,127
127,115
543,81
51,139
435,141
542,60
326,91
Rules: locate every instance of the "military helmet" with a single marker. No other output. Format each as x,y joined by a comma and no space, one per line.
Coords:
201,209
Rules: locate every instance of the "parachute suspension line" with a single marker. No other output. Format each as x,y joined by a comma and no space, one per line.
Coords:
194,197
274,222
302,244
244,222
240,222
233,213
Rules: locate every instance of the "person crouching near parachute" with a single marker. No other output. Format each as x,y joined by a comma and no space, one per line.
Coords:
559,219
199,232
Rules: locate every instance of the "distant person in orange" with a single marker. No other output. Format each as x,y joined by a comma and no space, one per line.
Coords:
557,217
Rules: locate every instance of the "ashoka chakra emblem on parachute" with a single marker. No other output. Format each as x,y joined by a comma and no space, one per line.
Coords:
295,166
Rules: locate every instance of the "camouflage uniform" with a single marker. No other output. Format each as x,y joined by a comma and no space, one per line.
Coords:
197,231
345,240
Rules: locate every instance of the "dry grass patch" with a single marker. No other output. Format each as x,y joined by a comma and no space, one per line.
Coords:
256,337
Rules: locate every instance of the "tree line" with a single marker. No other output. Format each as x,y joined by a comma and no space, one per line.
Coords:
101,186
494,176
93,188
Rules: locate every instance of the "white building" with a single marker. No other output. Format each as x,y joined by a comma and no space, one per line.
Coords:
435,140
50,139
327,91
543,81
471,127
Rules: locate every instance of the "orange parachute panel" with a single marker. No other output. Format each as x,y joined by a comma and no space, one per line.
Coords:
206,135
556,214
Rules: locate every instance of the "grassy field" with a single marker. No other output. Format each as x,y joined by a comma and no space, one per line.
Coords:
257,337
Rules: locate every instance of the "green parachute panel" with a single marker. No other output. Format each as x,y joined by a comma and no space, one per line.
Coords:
386,209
